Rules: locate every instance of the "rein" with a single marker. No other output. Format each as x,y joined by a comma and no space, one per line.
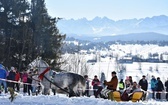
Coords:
56,85
42,75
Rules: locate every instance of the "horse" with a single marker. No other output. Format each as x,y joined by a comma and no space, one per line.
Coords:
66,81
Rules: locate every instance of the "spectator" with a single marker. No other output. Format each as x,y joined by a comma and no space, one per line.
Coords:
166,85
127,83
17,79
3,76
95,84
153,86
29,81
102,78
24,80
11,76
87,85
121,85
143,83
130,79
159,88
35,83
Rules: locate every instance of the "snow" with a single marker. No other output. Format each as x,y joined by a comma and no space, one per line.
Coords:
105,65
64,100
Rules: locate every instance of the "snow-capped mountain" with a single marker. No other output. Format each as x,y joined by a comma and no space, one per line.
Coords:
105,26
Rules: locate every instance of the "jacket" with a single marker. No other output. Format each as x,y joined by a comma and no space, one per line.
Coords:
143,84
11,75
112,85
153,83
166,85
160,86
17,76
3,73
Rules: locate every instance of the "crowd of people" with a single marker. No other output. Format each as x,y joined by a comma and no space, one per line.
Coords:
127,87
14,79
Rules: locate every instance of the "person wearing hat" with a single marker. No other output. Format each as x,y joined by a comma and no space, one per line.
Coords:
159,88
11,76
143,83
95,84
111,86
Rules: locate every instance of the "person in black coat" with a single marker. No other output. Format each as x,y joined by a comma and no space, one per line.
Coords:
143,83
166,85
11,76
29,81
159,88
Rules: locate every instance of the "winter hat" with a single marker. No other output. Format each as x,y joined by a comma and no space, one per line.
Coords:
113,72
95,76
12,68
143,76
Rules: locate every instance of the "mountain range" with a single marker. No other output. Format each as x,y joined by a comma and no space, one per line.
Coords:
100,27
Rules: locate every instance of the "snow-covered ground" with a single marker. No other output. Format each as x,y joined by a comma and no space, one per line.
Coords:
64,100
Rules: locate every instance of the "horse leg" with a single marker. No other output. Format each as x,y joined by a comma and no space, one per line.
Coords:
71,92
54,91
77,92
46,91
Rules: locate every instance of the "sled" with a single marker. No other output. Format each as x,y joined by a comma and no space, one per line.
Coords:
136,96
115,96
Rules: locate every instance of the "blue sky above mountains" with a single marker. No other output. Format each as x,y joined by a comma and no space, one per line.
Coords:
113,9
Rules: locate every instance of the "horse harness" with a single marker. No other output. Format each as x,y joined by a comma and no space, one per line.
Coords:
42,75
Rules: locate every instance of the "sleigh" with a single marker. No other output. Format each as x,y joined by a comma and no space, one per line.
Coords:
116,96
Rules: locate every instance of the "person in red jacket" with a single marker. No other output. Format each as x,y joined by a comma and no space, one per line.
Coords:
17,79
95,84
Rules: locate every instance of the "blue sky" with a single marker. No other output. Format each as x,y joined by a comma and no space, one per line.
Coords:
113,9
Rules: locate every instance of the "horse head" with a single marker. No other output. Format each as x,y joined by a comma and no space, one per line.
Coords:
38,64
41,66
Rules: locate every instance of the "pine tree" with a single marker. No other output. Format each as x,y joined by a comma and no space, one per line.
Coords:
11,15
46,36
26,32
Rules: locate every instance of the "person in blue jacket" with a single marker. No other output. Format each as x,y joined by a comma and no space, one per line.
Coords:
3,75
153,86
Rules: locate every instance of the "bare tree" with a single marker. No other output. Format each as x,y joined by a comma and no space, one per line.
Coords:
75,63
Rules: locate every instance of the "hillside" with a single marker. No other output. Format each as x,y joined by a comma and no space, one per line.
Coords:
148,36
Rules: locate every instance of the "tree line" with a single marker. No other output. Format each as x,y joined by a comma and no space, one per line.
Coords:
26,32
